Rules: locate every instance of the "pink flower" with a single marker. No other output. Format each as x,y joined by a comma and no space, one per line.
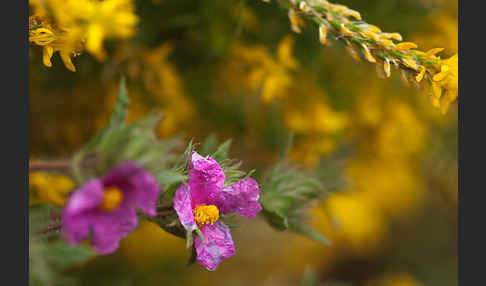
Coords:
104,209
201,200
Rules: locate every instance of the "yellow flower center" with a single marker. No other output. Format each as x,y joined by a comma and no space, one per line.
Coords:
111,199
206,214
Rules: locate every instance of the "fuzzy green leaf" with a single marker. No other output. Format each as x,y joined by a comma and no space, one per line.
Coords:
222,151
62,255
209,146
167,178
302,228
120,111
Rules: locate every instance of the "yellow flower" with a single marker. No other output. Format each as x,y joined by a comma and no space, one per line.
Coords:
322,34
263,74
395,36
406,46
352,51
373,28
408,61
445,84
434,51
367,53
284,53
42,33
295,21
97,20
49,188
421,74
346,31
386,67
357,221
308,150
303,7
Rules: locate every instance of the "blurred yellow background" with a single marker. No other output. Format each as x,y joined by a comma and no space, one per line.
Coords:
236,70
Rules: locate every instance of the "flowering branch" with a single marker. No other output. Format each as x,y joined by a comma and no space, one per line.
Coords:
381,48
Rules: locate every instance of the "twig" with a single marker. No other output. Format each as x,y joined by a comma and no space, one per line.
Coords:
50,228
49,165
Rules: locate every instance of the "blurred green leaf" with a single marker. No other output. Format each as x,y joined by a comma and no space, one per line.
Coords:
120,110
222,152
209,145
167,178
286,193
310,278
302,228
62,256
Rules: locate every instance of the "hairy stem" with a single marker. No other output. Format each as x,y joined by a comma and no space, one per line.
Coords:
49,165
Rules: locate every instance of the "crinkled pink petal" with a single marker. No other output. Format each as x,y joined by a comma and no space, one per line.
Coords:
109,227
218,245
240,198
206,179
139,186
183,207
78,212
83,217
148,192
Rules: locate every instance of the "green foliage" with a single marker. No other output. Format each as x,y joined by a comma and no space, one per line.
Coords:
62,255
221,153
310,278
119,142
209,146
286,193
49,255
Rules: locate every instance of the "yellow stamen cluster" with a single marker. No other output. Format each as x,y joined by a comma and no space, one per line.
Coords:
206,214
112,197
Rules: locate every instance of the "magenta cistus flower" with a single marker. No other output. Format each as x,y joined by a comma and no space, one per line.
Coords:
104,209
201,200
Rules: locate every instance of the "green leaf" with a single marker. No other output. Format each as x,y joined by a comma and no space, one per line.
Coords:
120,111
209,145
62,256
275,219
170,223
302,228
185,157
285,151
117,117
167,178
310,278
116,120
319,9
318,20
193,257
222,152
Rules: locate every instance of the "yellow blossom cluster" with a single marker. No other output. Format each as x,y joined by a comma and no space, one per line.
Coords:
313,121
71,26
305,110
383,182
49,188
261,72
381,48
